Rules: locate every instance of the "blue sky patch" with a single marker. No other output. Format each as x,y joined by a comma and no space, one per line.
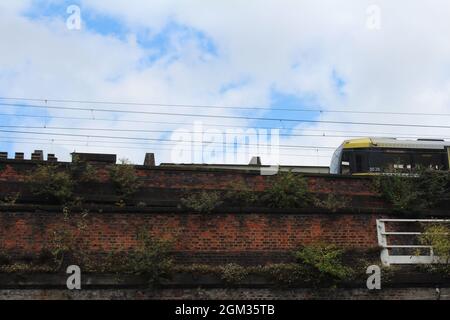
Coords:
162,43
282,100
168,42
338,82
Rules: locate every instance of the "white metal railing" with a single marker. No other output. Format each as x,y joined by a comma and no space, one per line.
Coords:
383,240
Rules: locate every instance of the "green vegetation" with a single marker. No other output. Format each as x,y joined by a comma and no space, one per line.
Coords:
325,261
289,190
202,202
55,184
10,199
400,191
52,184
286,191
125,180
434,186
152,258
423,190
233,273
333,202
82,171
278,275
239,193
68,242
286,274
437,236
317,265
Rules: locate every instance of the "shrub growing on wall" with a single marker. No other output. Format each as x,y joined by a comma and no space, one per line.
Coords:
203,202
420,191
152,258
400,191
233,273
83,171
333,202
240,193
51,184
68,243
438,237
289,190
434,186
125,179
325,261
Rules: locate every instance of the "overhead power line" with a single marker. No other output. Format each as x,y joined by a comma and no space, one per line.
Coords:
88,142
228,116
217,125
51,143
275,108
193,132
157,139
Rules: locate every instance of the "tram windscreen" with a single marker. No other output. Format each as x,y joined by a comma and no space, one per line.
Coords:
392,160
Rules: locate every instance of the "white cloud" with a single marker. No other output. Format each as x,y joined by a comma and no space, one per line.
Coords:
293,46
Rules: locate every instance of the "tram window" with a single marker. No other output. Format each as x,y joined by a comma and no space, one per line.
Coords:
390,161
358,162
361,162
434,161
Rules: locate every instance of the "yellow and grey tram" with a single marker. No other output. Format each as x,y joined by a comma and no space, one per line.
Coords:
389,155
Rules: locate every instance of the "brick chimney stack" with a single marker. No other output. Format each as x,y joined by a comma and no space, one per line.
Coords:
149,160
38,155
51,158
19,156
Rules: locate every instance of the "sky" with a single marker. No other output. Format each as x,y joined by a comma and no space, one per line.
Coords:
276,58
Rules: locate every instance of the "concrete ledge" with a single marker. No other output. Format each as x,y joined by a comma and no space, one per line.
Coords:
411,293
189,280
108,209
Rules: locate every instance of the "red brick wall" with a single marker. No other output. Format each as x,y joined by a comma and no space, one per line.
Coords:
215,237
243,236
170,178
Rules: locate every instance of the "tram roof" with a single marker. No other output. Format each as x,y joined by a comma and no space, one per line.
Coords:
371,142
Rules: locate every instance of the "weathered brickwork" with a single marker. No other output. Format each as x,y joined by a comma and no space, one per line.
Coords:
241,236
254,236
170,178
247,238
